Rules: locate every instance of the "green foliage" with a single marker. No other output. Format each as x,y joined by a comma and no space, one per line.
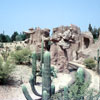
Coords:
46,74
78,89
6,67
4,38
66,93
90,63
5,54
95,31
90,28
18,48
18,38
23,36
1,45
13,37
21,56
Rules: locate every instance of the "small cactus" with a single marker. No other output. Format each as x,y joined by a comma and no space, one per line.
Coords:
26,94
66,93
45,95
80,74
52,89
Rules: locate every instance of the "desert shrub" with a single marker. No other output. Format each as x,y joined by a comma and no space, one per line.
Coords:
6,67
1,45
21,56
90,63
78,90
5,54
18,48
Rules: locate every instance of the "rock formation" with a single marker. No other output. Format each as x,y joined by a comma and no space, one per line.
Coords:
67,43
65,47
35,37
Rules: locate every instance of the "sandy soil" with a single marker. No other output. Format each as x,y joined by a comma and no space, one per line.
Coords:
22,75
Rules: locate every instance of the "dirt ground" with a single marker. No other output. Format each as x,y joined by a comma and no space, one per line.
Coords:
21,76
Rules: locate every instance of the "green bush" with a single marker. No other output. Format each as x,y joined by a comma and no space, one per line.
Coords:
1,45
5,54
6,67
21,56
18,48
90,63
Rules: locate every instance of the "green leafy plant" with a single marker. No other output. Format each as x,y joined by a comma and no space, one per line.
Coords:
1,45
6,67
21,56
18,48
90,63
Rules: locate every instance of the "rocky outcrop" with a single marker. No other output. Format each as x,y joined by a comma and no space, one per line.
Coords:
87,39
67,43
35,37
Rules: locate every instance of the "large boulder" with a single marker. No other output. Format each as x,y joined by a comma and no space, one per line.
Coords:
66,43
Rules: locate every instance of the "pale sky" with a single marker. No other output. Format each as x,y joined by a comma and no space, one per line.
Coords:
20,15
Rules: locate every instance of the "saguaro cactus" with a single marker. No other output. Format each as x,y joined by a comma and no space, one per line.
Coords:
46,74
26,94
34,68
42,52
47,89
98,61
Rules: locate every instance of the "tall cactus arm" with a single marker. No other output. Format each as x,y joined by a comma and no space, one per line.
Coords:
42,52
34,57
52,89
98,62
66,93
32,83
45,95
26,93
46,74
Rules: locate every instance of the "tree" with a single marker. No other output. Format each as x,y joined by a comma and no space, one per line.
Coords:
23,36
98,31
13,37
90,28
3,38
8,39
94,31
18,38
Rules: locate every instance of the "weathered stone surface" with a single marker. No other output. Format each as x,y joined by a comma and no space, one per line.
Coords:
67,43
35,37
87,39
